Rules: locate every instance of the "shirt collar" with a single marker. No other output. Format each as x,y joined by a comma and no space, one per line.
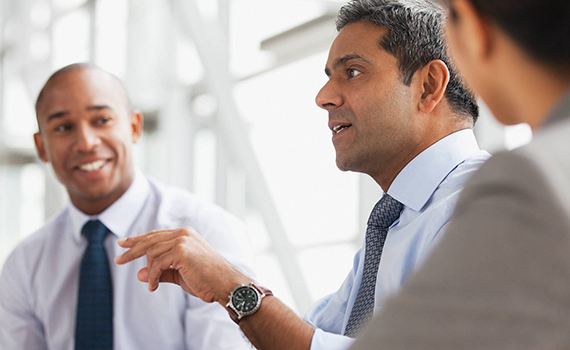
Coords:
415,184
119,217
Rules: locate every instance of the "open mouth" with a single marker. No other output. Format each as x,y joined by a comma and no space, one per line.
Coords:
93,166
339,128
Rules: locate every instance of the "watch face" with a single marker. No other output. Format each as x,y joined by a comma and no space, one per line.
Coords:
245,299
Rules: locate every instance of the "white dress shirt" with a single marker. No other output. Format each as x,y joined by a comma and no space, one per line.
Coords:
39,281
428,188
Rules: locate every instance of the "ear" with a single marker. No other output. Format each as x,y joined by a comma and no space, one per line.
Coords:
40,147
136,125
473,32
434,78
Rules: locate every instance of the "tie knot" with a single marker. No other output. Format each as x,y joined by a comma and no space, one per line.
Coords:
385,212
94,231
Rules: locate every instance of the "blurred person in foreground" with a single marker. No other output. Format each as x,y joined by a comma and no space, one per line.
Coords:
500,279
397,112
58,289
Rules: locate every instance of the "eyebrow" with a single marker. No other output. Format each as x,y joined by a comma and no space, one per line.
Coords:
97,107
61,114
57,115
342,60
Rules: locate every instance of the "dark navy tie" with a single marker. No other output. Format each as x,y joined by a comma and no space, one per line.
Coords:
94,327
385,212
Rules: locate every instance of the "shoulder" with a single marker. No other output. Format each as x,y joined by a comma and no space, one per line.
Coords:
444,198
177,208
31,248
505,170
183,208
549,149
44,234
529,183
457,178
542,165
550,153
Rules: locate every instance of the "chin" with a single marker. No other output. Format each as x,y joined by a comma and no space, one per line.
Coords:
343,165
94,196
94,193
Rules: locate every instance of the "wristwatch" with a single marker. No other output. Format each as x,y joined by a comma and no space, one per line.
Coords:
245,300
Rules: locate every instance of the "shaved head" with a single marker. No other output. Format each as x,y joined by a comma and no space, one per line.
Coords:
83,66
86,132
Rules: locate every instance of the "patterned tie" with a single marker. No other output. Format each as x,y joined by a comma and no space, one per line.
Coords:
94,328
385,212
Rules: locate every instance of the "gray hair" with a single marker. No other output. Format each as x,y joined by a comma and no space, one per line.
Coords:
415,37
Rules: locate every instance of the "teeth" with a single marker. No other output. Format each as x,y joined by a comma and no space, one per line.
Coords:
338,128
94,166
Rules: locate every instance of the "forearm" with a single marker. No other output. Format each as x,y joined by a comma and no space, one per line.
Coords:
274,326
183,257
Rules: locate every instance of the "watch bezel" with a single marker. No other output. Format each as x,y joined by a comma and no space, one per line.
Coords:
241,313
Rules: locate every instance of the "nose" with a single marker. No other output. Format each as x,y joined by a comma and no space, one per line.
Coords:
86,139
328,97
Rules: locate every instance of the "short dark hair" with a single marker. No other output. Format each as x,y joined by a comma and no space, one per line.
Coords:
539,27
415,37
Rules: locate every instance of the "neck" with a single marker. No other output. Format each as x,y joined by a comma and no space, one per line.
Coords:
443,126
534,96
520,89
94,205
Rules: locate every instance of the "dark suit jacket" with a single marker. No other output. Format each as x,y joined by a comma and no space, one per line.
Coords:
500,278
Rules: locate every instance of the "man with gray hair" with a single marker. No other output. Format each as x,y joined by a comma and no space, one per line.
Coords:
398,112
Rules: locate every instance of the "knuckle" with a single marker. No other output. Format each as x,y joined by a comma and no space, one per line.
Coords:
188,231
152,251
179,249
181,240
154,270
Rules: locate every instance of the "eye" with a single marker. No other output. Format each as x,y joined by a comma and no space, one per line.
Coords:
62,127
102,120
352,72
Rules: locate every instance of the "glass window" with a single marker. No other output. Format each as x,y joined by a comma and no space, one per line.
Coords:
71,38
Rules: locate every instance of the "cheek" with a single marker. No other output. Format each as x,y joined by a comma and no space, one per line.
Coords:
458,53
121,144
57,153
451,35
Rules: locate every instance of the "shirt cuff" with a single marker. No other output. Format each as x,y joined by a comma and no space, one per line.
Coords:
329,341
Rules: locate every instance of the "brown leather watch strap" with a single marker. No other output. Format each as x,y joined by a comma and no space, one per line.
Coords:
233,315
264,291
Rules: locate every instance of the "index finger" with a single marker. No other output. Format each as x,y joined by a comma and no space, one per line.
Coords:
138,245
130,242
141,244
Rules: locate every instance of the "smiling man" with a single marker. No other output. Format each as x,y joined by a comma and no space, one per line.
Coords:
397,112
58,289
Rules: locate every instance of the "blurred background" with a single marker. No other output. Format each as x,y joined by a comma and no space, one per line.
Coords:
227,89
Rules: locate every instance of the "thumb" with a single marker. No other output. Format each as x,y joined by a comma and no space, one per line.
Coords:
142,275
166,276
